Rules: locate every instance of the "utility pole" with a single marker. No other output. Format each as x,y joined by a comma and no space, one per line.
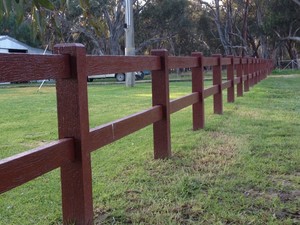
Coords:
129,39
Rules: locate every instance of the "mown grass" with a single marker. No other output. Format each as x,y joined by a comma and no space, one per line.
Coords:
285,72
243,168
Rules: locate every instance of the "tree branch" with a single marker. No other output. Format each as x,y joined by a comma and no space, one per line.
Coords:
290,38
297,2
208,6
149,42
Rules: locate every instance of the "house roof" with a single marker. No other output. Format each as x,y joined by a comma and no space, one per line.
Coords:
10,43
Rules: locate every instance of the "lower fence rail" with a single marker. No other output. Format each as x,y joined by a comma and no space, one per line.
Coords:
26,166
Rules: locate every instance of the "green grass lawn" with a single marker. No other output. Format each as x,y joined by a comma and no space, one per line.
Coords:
285,72
243,168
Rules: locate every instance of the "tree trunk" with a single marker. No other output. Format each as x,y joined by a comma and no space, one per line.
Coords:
245,27
290,46
115,25
262,37
219,28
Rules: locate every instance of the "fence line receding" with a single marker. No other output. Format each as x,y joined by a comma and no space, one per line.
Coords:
70,67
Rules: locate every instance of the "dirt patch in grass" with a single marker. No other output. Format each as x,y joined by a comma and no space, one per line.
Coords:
186,213
286,213
285,197
101,215
261,194
289,196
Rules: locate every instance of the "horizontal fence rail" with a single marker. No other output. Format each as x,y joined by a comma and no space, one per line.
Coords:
33,67
70,67
26,166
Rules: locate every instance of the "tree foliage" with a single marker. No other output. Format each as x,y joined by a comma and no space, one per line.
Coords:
260,28
283,25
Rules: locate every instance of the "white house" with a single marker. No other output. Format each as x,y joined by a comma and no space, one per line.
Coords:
11,45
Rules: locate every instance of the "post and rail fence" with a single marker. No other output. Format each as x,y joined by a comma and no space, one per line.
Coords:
69,66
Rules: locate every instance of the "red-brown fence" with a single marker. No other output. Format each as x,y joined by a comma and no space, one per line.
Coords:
70,66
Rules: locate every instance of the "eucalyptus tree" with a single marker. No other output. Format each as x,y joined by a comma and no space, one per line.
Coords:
230,19
97,24
20,15
283,25
21,31
170,24
239,27
258,38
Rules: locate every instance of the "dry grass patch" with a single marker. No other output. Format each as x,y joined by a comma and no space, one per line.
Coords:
215,156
